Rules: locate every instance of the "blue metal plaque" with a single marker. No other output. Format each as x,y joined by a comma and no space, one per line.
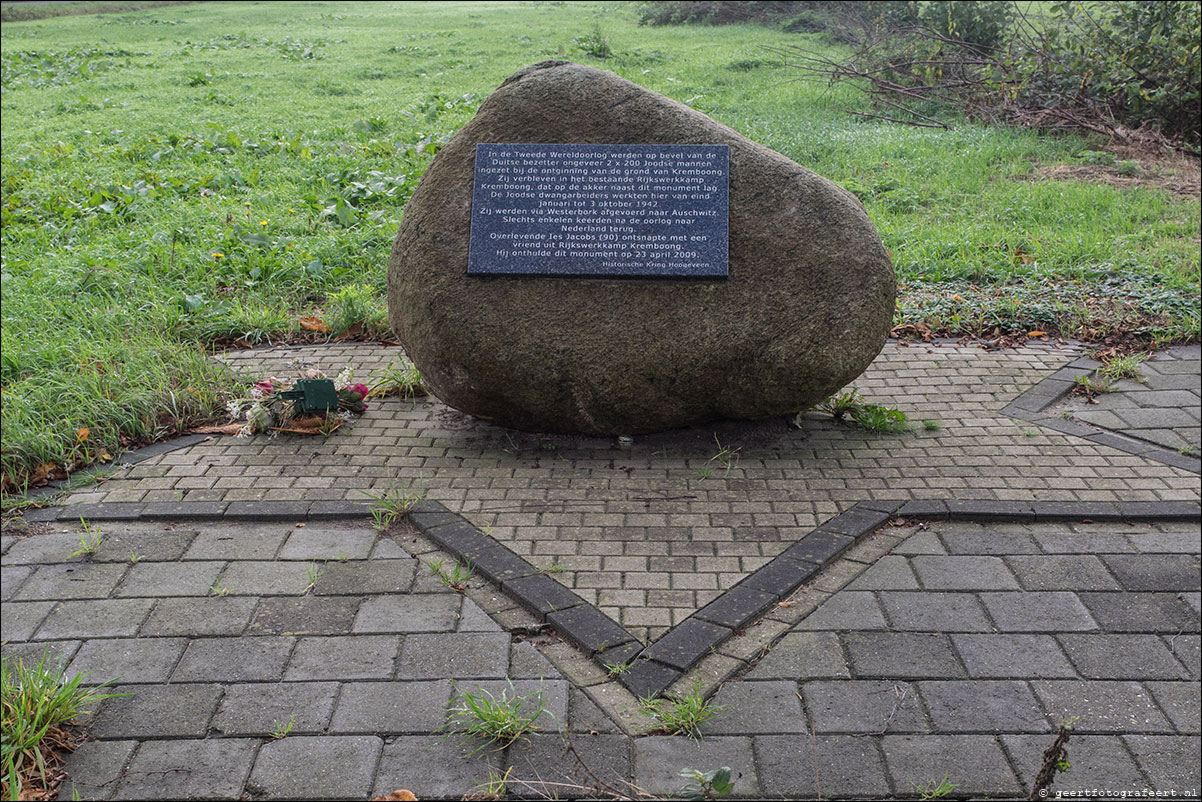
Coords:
600,210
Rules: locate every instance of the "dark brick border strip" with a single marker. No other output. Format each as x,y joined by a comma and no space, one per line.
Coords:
650,670
1031,406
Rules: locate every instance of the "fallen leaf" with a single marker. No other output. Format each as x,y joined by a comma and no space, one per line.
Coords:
1037,333
400,795
313,324
354,331
83,433
224,428
103,455
300,526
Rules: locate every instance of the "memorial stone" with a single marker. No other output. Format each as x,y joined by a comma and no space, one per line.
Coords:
784,307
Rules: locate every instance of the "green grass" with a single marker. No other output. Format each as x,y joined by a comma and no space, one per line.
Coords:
494,720
183,177
37,703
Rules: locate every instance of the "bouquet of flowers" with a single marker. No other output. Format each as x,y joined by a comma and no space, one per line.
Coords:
268,410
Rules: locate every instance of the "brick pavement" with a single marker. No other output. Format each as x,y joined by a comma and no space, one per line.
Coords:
955,652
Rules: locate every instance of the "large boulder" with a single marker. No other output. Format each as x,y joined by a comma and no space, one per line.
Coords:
807,306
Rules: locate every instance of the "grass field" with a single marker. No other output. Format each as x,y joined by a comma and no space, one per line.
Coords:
181,178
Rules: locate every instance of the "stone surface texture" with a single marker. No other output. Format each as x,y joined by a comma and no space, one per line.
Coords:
806,308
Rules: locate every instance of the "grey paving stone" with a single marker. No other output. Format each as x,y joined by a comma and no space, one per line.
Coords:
419,612
974,764
307,615
1179,542
658,760
413,708
21,619
102,618
433,767
863,706
1101,706
365,577
982,706
584,716
929,611
156,711
589,628
735,608
541,595
646,678
127,660
244,659
831,767
257,578
1013,656
54,652
756,708
169,579
801,656
1122,657
1187,649
963,573
920,543
547,759
198,617
907,655
93,768
1062,572
526,662
261,708
1096,762
891,572
192,769
847,609
71,581
344,657
50,547
157,545
1085,541
686,643
1180,702
1038,611
464,655
473,619
328,543
1141,612
11,577
315,767
238,542
1171,762
1156,572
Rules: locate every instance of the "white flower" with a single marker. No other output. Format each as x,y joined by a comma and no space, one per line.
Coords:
345,377
345,414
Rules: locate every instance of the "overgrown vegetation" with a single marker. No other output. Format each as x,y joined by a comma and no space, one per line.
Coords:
38,703
188,178
489,720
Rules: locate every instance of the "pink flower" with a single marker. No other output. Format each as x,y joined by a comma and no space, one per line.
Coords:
361,389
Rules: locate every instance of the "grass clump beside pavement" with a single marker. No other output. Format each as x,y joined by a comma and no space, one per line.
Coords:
38,703
192,177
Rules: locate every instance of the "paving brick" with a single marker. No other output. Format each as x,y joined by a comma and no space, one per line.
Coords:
756,708
307,615
780,576
127,659
646,679
1038,611
192,769
1140,612
344,657
928,611
1101,706
54,652
474,655
801,656
418,612
1170,762
1180,702
1181,542
657,762
21,619
237,542
169,579
835,766
198,617
541,595
328,543
244,659
847,609
974,764
258,578
892,572
1099,656
687,643
1012,656
435,768
1097,762
963,573
399,708
901,654
71,581
1156,572
151,546
588,628
311,767
548,759
156,711
1062,572
920,543
1187,649
93,769
735,608
262,708
863,706
365,577
982,706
